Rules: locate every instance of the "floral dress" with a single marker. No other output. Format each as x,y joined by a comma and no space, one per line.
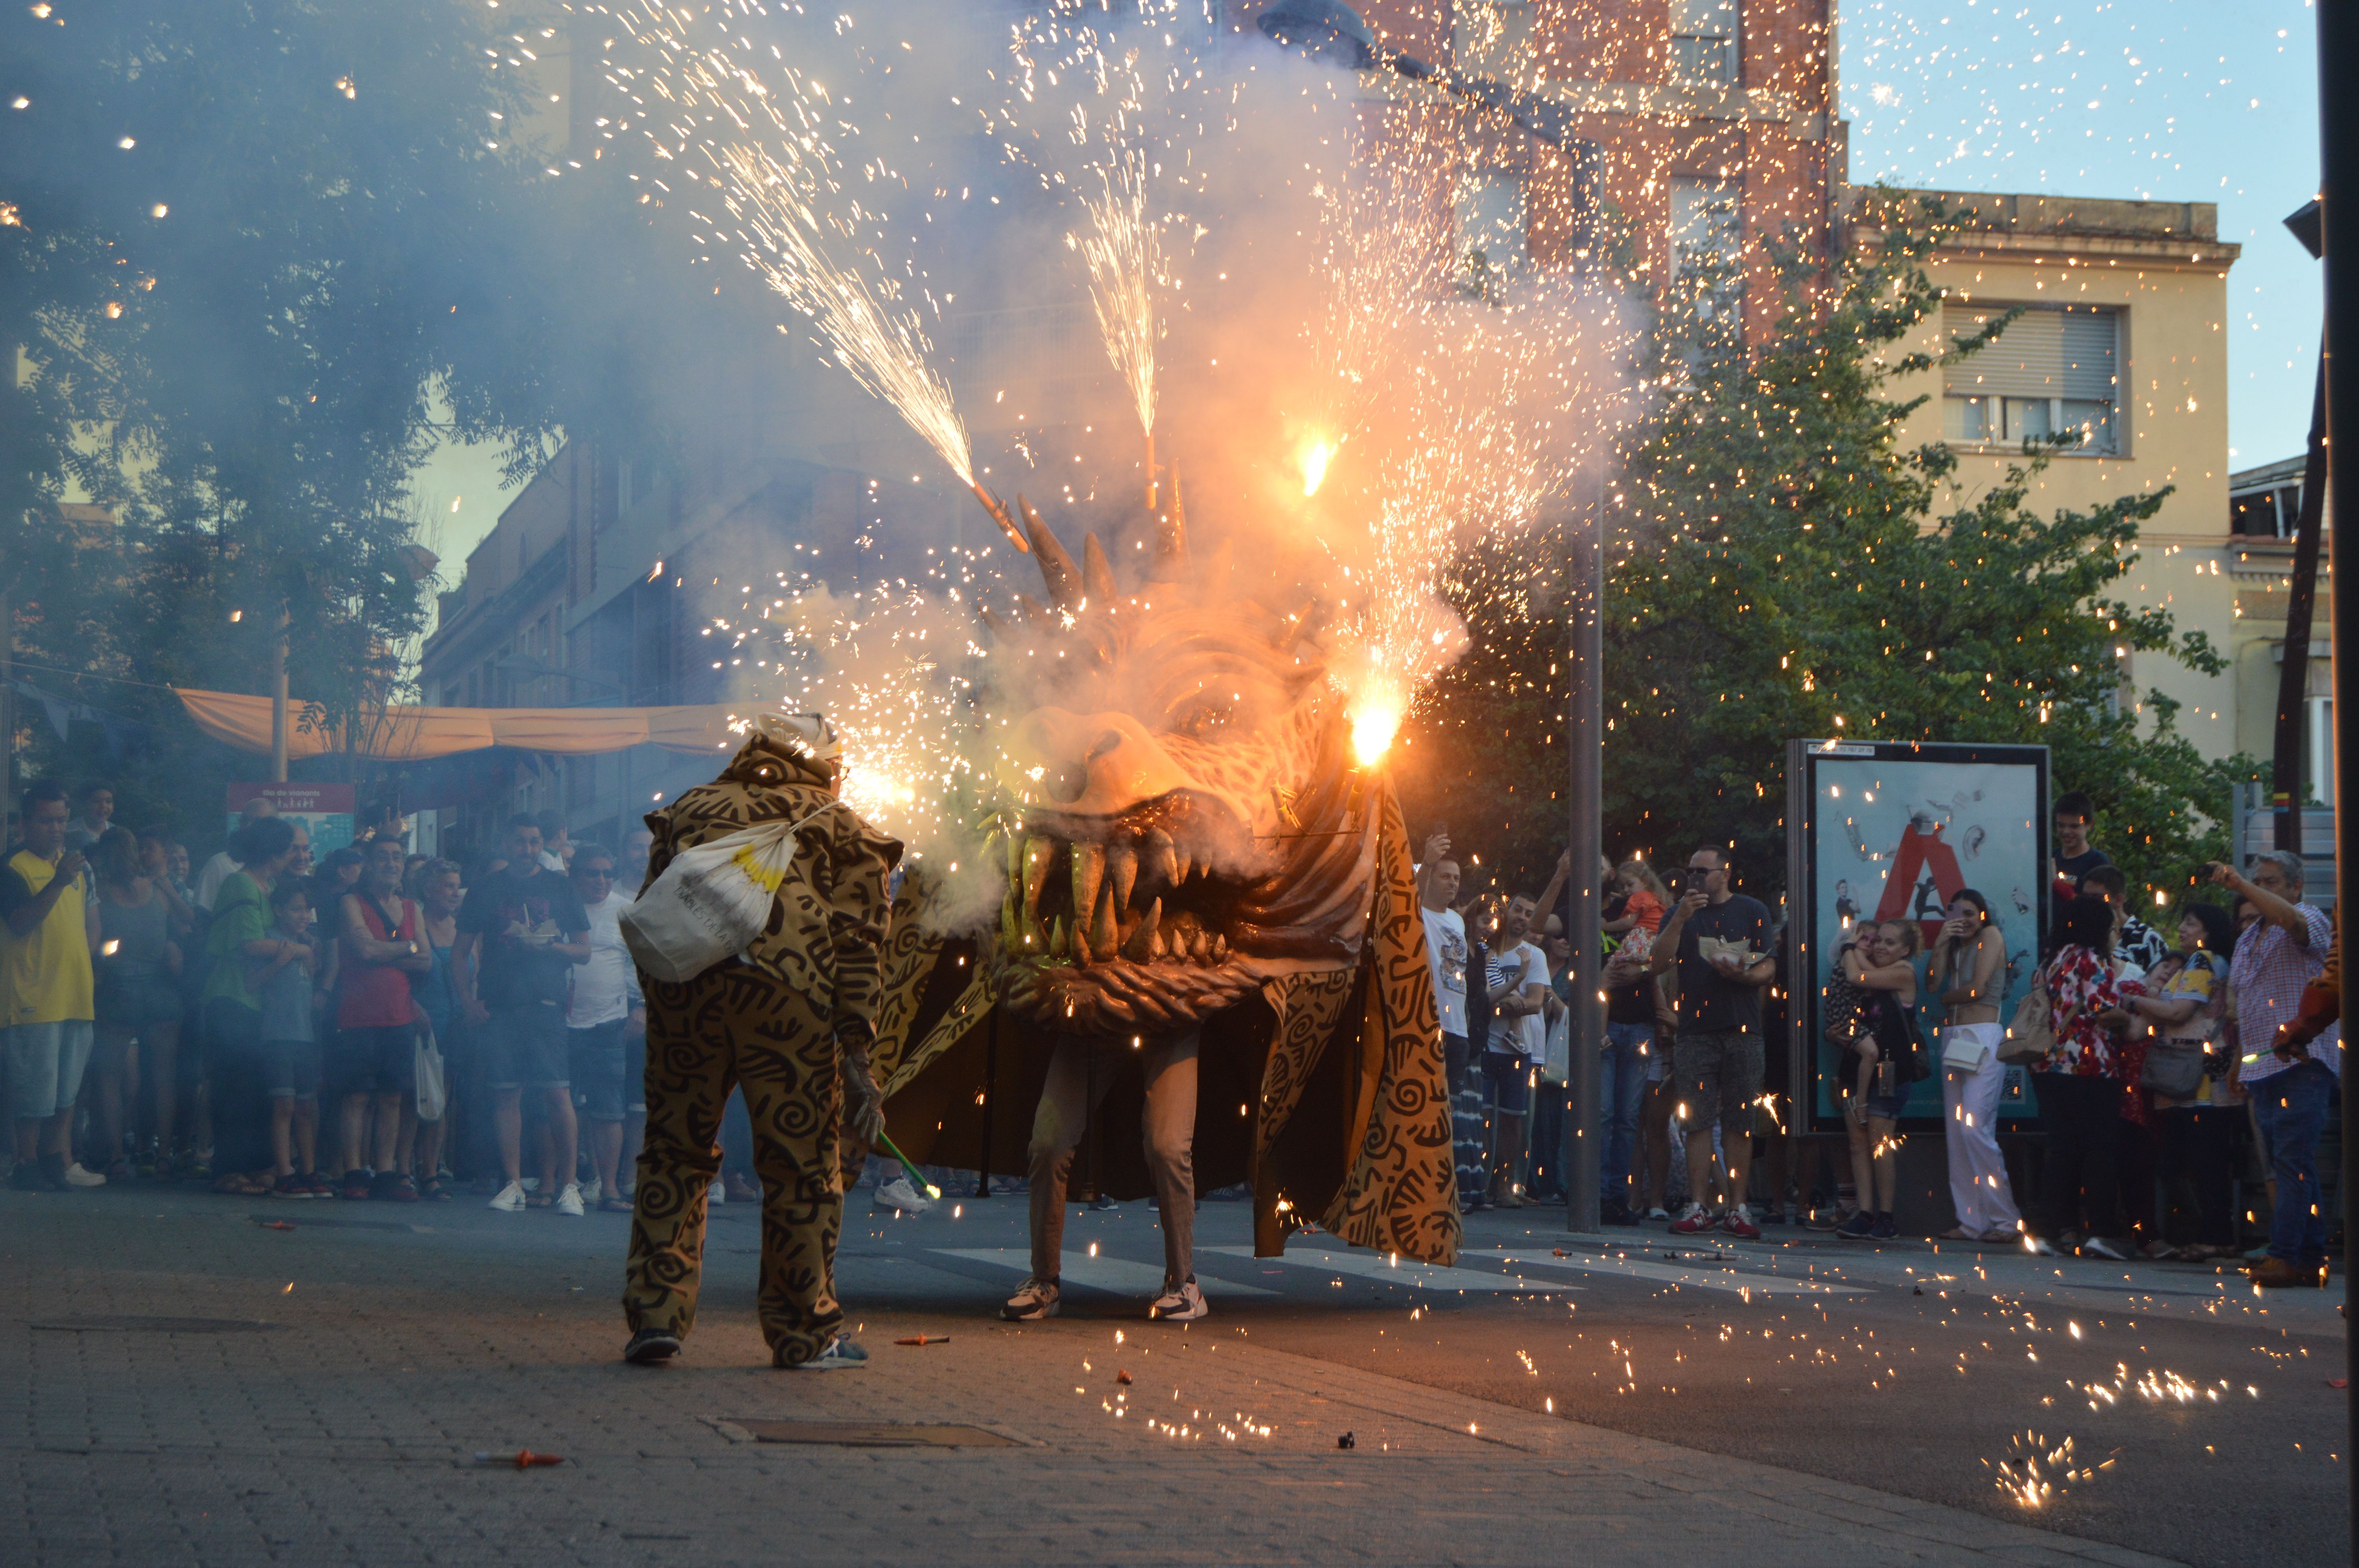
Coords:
2078,980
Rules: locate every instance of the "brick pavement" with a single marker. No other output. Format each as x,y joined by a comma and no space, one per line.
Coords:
343,1434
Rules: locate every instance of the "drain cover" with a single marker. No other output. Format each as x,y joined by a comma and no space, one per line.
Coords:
875,1434
155,1325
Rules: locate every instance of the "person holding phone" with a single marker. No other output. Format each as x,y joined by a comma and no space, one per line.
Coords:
1968,973
1718,939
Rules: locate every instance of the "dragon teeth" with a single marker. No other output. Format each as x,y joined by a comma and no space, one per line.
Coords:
1122,871
1038,852
1162,858
1183,865
1088,872
1146,942
1104,934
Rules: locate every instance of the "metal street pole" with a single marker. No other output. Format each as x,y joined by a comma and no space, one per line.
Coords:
1584,734
2338,114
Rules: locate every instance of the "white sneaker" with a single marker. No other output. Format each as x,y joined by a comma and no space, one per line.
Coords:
530,1184
570,1200
717,1193
510,1199
78,1177
591,1190
841,1355
899,1194
2039,1247
1184,1304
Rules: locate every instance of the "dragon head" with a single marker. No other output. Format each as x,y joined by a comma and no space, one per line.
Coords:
1185,822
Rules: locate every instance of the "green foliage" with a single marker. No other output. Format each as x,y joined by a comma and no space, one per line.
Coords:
1783,567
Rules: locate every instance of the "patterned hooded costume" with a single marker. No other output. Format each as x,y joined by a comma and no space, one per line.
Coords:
785,1023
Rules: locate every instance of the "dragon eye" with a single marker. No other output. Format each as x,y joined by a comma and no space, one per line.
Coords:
1206,718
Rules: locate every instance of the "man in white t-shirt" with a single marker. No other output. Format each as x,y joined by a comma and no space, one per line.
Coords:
1518,1045
1445,951
217,869
598,1007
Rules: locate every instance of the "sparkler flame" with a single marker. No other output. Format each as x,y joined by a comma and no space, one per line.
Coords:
1314,457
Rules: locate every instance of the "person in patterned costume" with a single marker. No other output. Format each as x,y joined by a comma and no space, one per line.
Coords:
790,1023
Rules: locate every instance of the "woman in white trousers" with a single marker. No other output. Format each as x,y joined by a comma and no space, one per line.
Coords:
1968,972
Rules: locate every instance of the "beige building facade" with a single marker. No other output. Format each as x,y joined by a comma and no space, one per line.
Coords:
2123,339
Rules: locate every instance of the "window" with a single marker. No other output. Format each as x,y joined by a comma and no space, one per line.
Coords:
2321,744
2271,512
1708,243
1490,242
1703,42
2051,374
1494,37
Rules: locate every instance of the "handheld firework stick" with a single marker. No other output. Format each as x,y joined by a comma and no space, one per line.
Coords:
916,1180
998,511
523,1459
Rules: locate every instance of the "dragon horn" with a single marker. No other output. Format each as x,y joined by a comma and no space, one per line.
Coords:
1057,568
1171,539
1096,575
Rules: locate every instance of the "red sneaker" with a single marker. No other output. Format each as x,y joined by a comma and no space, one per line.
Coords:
1695,1222
1737,1222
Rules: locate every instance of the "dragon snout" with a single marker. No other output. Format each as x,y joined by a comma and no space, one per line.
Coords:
1087,763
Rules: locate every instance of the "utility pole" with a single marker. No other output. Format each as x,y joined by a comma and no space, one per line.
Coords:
278,703
1584,734
2338,114
2285,780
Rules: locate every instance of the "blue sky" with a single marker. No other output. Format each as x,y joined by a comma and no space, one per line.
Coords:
2158,100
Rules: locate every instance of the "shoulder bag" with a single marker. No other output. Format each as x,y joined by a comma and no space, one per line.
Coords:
2032,1034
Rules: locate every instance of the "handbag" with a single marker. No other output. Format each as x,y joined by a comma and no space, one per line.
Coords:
1963,1053
2173,1067
433,1095
1917,1065
2031,1035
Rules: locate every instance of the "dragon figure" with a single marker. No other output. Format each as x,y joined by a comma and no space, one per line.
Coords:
1188,845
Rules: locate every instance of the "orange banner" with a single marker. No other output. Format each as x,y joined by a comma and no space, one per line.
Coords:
404,733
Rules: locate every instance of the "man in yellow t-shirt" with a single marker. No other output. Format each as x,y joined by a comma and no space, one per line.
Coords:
49,926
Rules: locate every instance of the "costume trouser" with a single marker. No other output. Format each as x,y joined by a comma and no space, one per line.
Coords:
2292,1106
1080,1073
701,1042
1979,1190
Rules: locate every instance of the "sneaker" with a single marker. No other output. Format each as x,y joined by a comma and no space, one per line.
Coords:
897,1194
1616,1213
290,1185
1738,1222
1885,1229
510,1199
317,1183
1037,1299
1103,1205
2098,1247
53,1174
569,1201
393,1187
841,1355
717,1192
355,1185
741,1188
651,1346
1658,1212
1184,1304
1696,1221
2038,1246
1825,1219
24,1177
78,1177
1860,1226
591,1190
530,1184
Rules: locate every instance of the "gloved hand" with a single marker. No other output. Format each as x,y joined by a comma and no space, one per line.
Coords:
863,1098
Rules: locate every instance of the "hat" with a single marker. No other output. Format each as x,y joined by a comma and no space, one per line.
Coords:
802,734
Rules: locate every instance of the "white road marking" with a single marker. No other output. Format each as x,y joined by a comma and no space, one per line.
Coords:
1670,1275
1408,1271
1119,1275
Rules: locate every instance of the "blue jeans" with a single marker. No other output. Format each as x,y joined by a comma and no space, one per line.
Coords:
2291,1108
1621,1091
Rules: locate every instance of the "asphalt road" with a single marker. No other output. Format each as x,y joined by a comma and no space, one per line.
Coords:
2200,1413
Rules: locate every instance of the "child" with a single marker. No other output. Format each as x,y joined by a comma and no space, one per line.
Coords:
1643,900
290,988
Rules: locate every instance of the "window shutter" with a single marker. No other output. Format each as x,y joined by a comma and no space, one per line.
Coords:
2045,352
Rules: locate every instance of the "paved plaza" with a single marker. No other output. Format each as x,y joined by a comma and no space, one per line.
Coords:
190,1382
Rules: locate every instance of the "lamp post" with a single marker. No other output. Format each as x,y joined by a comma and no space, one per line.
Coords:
1332,32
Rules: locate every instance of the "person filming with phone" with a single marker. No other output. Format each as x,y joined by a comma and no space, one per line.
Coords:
1719,940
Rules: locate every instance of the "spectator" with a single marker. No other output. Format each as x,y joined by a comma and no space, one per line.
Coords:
1719,941
436,887
2134,942
47,927
300,866
1625,1069
1641,897
97,802
2078,1089
595,1020
138,996
2186,1007
520,932
2071,817
1968,973
1446,952
556,845
235,1069
165,1069
217,869
1880,962
2291,1086
1519,980
373,1060
291,984
339,875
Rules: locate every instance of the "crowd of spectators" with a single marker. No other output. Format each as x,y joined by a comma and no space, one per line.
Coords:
353,1028
2172,1065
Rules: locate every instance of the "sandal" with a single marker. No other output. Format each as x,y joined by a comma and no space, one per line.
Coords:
1958,1233
238,1185
434,1192
615,1205
538,1200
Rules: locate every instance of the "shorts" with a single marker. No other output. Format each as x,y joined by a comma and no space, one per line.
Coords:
137,1002
291,1068
1455,1056
524,1047
595,1059
1509,1075
45,1066
1717,1072
376,1059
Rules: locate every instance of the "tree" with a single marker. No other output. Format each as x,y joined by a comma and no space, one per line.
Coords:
1782,567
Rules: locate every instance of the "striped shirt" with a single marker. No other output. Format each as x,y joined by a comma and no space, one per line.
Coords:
2270,971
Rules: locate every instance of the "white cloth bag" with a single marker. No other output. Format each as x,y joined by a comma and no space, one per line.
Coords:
433,1095
713,901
